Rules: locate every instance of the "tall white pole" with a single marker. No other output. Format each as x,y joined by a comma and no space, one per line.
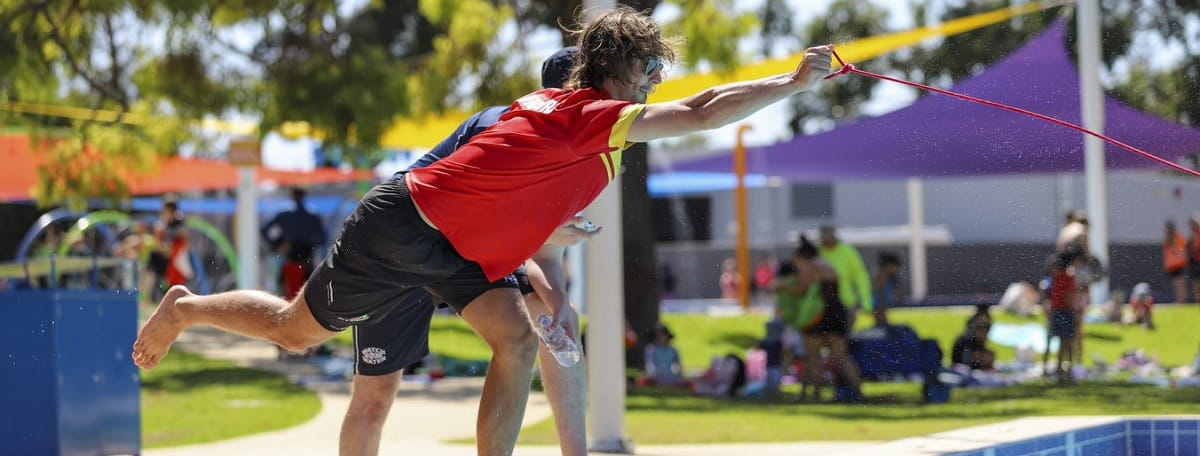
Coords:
1093,119
917,266
247,228
606,326
605,293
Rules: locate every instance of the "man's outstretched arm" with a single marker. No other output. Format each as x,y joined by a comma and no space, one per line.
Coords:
725,104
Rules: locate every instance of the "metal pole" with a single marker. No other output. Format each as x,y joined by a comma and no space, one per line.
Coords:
917,267
743,219
1093,119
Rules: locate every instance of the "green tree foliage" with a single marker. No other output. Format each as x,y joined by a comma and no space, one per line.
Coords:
846,20
72,53
347,73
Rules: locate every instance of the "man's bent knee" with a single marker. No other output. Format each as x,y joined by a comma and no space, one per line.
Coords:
518,343
298,329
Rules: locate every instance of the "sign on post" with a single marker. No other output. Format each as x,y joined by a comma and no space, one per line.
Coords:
245,152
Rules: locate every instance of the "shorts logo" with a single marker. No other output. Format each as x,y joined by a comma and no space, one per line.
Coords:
329,289
373,355
357,319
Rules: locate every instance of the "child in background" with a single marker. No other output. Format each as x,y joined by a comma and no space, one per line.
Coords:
1142,303
724,378
662,361
1062,312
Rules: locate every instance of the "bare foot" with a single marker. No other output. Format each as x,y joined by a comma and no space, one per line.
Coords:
160,331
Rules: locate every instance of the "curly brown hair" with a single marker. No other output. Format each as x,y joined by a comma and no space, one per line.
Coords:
615,41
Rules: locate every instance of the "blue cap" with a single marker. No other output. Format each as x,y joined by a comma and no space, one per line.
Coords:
557,68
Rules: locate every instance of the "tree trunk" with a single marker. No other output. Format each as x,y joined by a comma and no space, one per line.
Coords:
641,262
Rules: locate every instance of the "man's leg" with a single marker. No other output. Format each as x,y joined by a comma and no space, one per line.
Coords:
370,401
839,349
247,312
566,389
814,366
499,317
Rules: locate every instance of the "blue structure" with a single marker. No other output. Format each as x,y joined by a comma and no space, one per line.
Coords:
67,384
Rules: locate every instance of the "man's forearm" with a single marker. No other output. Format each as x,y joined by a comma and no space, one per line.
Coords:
547,276
725,104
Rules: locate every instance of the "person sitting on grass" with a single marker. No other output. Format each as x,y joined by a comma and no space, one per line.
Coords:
1142,303
724,378
662,361
970,349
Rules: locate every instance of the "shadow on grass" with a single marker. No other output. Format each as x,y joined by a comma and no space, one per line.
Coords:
201,377
738,339
872,408
997,403
1104,336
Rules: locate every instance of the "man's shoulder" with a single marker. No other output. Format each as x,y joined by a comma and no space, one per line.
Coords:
549,100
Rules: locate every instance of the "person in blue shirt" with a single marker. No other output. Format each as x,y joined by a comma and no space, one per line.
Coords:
380,356
296,235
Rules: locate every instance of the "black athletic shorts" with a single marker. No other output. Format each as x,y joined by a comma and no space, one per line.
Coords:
384,346
385,252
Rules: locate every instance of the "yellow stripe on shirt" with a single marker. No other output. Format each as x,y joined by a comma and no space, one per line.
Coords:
620,130
608,167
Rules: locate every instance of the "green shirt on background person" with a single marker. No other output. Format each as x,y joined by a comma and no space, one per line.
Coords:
854,283
797,310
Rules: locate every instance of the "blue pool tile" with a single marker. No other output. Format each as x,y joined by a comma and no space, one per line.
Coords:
1055,453
973,453
1140,444
1049,443
1188,445
1164,445
1116,446
1107,431
1022,448
1164,425
1140,425
1188,425
1013,449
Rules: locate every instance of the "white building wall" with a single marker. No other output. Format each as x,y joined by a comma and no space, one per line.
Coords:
1022,209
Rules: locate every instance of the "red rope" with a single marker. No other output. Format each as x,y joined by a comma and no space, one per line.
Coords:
849,68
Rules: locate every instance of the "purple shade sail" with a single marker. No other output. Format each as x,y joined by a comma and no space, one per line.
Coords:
939,136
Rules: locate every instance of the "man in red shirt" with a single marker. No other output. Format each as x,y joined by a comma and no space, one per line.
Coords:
377,369
459,227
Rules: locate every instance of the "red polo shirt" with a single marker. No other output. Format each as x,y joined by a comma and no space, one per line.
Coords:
500,196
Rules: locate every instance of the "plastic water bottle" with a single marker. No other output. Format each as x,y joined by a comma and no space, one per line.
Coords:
560,345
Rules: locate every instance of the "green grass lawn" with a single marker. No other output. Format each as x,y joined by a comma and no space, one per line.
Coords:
699,337
190,399
894,410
